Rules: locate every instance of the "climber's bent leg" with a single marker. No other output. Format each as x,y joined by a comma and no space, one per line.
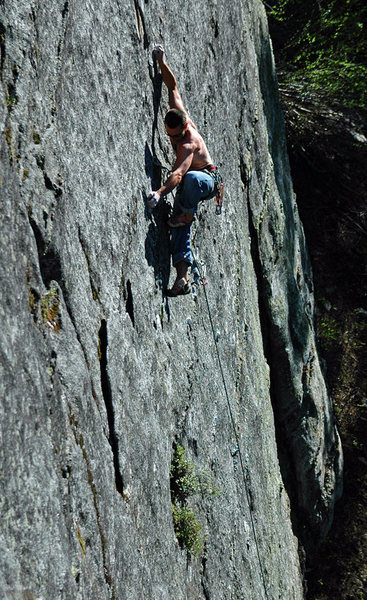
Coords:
180,245
194,187
181,259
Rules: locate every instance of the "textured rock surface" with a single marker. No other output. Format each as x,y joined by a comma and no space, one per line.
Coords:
100,376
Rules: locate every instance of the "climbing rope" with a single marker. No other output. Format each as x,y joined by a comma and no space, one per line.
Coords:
216,339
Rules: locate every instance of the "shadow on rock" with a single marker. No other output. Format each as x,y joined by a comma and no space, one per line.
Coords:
157,243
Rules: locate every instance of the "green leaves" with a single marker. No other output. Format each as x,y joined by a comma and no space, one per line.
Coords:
187,528
186,482
322,47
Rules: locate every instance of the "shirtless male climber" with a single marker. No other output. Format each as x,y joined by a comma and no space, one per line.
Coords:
193,174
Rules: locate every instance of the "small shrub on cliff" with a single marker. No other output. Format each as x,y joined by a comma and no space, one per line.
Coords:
184,480
184,483
187,528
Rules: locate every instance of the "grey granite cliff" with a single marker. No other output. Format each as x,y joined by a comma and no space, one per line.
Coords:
101,375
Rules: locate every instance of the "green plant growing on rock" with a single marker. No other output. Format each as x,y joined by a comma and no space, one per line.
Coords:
186,482
184,479
187,528
50,305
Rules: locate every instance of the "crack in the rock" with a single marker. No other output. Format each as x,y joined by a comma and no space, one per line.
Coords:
80,442
285,455
51,270
65,10
49,184
140,25
2,49
203,575
64,14
52,186
48,257
129,303
95,287
107,396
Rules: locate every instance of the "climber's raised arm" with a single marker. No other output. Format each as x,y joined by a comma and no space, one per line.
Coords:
174,97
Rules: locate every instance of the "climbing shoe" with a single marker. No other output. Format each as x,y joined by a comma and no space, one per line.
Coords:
181,220
180,288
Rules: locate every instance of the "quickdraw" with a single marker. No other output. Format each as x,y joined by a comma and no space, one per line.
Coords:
213,171
202,275
219,198
199,274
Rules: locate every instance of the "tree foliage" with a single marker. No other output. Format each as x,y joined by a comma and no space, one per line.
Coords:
322,47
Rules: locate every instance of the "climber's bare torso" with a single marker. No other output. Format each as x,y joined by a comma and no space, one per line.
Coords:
192,143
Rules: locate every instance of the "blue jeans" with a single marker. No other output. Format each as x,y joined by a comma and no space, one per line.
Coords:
194,187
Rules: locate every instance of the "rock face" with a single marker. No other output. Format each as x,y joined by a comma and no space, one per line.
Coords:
101,375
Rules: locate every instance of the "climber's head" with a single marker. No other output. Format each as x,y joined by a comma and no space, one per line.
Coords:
176,123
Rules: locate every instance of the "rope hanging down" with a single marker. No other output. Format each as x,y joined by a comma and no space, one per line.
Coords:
215,337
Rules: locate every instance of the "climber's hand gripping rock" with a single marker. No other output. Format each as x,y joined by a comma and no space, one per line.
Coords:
153,199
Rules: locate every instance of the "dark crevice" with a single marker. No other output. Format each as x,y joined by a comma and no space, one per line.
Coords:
129,303
2,48
107,396
12,97
203,576
65,10
152,164
52,186
142,32
64,14
215,27
95,287
51,270
80,442
40,160
286,465
49,260
157,239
